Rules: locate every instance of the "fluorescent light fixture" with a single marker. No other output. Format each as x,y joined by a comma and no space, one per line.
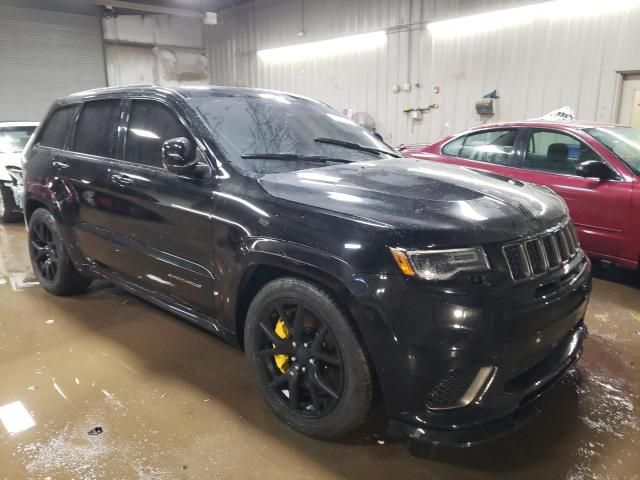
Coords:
210,18
15,417
511,17
335,46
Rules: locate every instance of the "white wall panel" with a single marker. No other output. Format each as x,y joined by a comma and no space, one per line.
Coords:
160,49
536,67
155,30
130,65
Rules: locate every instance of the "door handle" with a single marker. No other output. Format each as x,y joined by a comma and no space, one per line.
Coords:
59,164
120,179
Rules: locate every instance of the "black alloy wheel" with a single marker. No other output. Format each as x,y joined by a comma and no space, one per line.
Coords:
300,359
50,261
44,251
310,365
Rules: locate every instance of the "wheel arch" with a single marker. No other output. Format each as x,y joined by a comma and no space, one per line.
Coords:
31,205
41,197
258,274
323,272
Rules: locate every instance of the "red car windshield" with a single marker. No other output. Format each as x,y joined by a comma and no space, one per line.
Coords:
623,141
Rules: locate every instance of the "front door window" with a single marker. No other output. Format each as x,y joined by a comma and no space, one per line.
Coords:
556,152
151,124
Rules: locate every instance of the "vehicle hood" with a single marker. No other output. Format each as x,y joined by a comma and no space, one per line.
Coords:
13,159
452,204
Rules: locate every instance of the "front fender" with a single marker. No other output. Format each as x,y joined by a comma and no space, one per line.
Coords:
285,254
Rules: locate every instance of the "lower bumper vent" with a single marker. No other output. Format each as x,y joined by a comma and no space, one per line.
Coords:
451,388
459,388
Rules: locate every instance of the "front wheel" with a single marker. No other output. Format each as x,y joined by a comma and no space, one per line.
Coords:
49,258
310,366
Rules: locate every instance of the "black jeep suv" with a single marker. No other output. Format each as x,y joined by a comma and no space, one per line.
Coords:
346,272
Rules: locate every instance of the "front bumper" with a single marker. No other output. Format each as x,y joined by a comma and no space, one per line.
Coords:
431,342
534,382
18,191
16,185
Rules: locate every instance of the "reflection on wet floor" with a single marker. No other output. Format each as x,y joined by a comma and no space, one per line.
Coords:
174,402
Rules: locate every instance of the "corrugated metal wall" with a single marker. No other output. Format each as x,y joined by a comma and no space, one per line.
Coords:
536,67
161,49
45,55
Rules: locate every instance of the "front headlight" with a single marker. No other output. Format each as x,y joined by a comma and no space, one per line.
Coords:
440,264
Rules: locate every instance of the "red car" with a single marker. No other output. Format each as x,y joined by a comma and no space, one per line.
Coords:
594,167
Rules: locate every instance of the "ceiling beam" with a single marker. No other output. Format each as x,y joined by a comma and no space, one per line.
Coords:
143,7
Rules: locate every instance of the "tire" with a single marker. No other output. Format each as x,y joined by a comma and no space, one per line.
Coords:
7,206
50,261
422,449
329,346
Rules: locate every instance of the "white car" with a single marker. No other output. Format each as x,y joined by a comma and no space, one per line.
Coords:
13,138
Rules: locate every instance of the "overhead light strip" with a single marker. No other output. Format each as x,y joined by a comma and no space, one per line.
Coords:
324,48
510,17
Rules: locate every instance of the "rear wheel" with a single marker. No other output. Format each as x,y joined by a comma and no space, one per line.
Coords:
7,206
49,258
310,366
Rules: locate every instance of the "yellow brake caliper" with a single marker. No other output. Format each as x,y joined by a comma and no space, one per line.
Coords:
282,331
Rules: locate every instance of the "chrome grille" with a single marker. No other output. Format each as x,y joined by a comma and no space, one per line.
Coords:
561,240
536,256
516,261
551,249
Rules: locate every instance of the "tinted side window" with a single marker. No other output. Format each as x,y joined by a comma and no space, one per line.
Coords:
556,152
150,124
54,133
96,129
494,146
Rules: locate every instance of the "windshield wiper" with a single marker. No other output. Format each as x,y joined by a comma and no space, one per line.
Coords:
294,157
355,146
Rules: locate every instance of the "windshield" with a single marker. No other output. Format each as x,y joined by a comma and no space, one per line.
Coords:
623,141
271,132
14,139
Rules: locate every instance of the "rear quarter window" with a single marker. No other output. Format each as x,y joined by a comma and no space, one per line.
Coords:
488,146
55,132
453,147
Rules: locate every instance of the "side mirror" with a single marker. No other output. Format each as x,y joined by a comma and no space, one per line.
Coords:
594,169
178,155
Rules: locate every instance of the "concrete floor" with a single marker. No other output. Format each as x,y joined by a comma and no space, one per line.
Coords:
174,402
